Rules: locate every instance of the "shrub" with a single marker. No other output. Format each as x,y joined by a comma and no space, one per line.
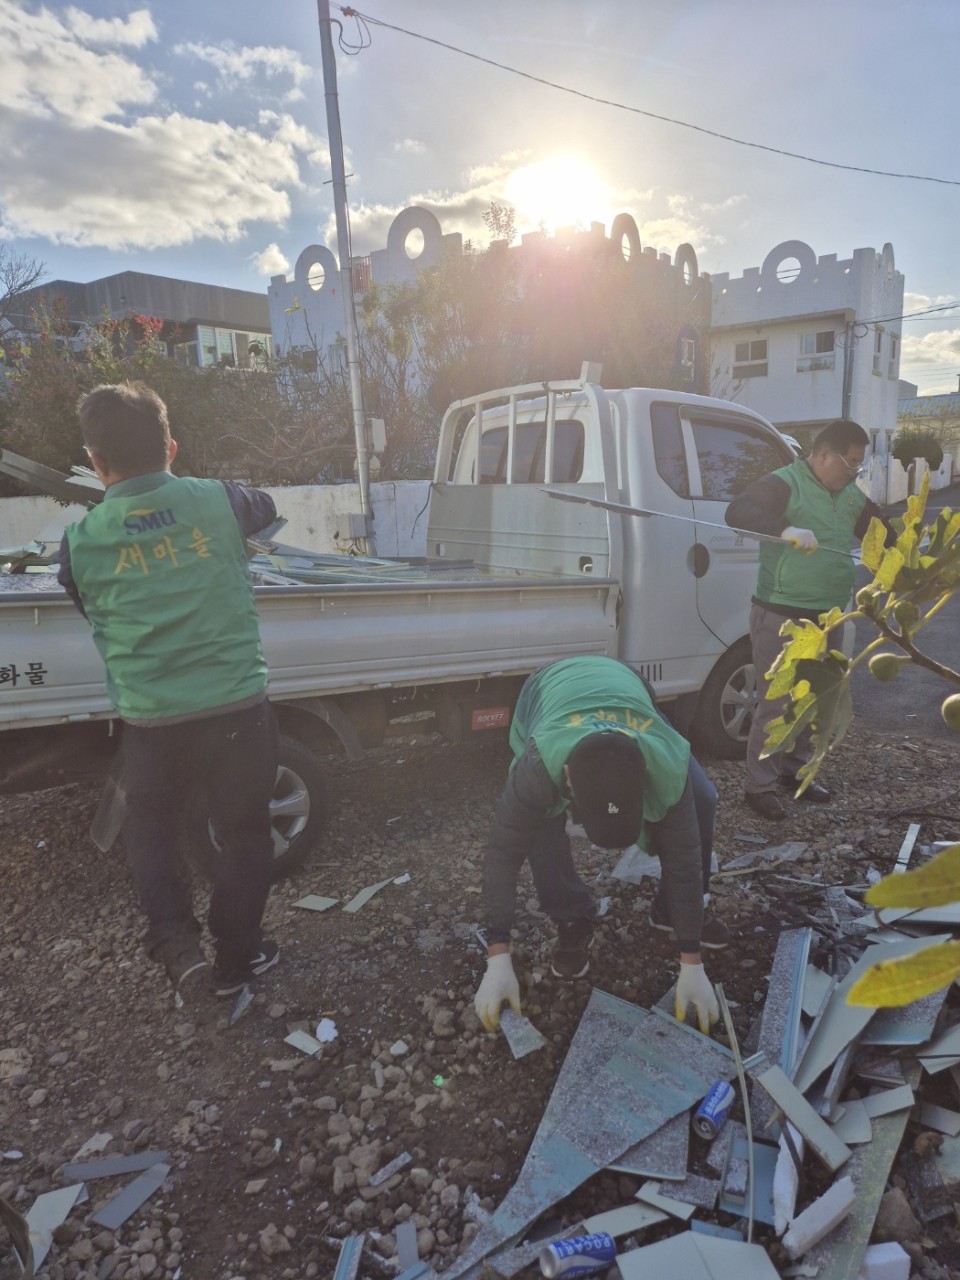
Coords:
916,442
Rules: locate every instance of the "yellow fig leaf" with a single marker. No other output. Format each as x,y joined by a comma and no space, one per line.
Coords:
890,566
916,504
934,884
872,547
892,983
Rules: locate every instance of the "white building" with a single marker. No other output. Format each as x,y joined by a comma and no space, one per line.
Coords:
804,340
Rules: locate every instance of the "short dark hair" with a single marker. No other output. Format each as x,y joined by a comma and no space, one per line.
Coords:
841,434
607,772
125,424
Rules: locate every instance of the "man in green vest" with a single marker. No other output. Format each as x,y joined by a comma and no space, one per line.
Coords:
815,505
159,569
587,737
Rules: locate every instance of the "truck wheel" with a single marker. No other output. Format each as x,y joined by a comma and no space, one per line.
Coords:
725,707
298,812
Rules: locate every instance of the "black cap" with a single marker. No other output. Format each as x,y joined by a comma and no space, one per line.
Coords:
606,771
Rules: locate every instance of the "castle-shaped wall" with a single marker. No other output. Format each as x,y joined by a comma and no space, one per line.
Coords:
307,311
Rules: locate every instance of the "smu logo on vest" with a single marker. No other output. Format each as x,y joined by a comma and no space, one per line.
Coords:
143,521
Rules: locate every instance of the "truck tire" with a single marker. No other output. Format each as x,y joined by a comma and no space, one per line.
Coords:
299,811
725,707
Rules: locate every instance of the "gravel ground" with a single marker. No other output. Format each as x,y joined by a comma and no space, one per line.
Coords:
271,1152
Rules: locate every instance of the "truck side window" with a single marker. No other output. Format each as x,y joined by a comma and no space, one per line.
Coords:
732,456
668,448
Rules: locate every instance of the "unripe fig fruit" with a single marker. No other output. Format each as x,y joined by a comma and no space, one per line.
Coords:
885,666
951,711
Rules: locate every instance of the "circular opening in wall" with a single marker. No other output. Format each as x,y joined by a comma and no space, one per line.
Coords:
788,269
625,247
316,276
413,245
687,271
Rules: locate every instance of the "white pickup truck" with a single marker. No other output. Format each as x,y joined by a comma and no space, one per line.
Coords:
513,579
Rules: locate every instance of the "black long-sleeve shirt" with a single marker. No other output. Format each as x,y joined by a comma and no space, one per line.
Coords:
525,805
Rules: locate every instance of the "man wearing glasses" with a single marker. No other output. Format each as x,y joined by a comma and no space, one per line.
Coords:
816,508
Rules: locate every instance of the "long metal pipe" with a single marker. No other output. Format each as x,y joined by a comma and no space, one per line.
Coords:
329,64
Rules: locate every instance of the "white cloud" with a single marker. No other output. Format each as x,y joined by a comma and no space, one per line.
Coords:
913,302
83,166
45,73
159,181
136,30
233,63
293,134
409,147
271,262
941,347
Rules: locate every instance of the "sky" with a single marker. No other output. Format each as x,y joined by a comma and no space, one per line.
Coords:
189,139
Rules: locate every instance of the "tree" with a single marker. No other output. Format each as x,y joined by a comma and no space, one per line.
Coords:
913,580
18,274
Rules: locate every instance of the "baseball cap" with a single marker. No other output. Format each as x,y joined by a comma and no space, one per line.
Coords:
606,772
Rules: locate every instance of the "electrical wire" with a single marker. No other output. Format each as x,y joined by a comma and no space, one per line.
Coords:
364,39
367,19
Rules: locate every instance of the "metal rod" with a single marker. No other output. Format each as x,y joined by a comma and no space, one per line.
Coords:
626,510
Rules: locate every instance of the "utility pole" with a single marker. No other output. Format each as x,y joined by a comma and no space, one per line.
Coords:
329,64
848,348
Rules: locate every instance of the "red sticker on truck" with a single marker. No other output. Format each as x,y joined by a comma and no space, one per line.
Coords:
491,718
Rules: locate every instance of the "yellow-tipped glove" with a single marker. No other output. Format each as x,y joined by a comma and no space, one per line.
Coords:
499,984
802,539
694,988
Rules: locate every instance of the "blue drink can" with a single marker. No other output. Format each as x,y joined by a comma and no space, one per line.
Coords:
578,1256
710,1117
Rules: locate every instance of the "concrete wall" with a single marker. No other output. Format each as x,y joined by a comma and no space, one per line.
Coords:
315,515
887,482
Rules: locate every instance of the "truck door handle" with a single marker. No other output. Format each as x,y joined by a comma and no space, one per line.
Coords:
698,559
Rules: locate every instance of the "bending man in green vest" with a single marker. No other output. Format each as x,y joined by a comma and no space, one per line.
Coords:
812,503
587,736
159,569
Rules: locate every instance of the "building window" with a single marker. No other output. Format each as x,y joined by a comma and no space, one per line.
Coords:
687,352
750,359
893,365
816,351
877,351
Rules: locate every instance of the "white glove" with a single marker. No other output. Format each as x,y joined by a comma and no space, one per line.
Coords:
694,988
499,984
802,539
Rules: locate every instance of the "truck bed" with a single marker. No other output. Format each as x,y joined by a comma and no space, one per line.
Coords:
432,625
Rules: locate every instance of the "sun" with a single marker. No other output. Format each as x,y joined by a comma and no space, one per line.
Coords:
560,192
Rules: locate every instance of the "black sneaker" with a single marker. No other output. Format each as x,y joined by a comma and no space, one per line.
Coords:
227,982
714,935
184,963
571,952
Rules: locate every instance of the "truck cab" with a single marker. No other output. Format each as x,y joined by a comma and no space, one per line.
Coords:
686,579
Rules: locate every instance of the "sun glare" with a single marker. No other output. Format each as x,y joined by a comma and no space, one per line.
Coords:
556,193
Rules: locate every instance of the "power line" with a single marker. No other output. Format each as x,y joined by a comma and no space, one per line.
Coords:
349,12
912,315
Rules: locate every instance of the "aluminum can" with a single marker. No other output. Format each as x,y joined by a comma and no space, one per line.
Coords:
578,1256
711,1115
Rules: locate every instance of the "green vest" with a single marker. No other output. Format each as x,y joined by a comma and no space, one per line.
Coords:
817,581
564,702
161,569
